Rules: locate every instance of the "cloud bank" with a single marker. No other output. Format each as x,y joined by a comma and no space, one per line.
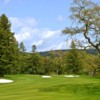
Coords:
45,39
6,1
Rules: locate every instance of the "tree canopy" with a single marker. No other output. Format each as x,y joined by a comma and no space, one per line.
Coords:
8,45
86,17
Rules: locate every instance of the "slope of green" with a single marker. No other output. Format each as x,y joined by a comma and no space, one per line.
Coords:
34,87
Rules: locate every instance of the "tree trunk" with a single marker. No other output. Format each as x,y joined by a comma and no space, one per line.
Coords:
92,72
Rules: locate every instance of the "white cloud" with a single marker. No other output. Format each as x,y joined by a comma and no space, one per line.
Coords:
49,33
6,1
55,46
60,18
61,45
37,43
26,30
22,37
22,22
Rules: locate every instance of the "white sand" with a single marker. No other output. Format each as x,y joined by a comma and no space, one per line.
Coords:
71,75
5,81
45,76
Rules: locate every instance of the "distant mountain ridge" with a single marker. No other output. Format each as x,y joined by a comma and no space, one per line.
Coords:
89,51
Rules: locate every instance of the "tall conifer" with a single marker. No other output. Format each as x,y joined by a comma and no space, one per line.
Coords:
8,46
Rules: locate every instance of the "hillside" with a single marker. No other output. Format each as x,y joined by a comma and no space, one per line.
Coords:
89,51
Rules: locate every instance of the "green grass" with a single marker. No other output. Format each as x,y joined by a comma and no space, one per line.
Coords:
34,87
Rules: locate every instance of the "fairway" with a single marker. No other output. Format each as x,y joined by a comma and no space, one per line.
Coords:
34,87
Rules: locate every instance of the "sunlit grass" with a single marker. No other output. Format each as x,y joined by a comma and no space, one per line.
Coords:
34,87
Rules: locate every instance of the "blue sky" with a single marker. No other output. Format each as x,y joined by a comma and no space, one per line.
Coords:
39,22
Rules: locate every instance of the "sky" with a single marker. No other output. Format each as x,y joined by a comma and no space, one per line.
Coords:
39,22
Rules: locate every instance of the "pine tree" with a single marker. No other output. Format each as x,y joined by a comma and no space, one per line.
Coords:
22,47
73,60
34,48
8,46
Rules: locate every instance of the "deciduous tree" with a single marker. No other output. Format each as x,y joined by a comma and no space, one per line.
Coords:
86,18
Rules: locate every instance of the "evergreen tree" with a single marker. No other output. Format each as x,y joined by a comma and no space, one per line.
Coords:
8,46
22,47
34,48
73,60
36,63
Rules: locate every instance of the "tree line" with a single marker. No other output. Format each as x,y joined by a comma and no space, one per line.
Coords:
73,61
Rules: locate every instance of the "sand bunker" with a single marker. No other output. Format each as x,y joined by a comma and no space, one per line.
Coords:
71,75
5,81
45,76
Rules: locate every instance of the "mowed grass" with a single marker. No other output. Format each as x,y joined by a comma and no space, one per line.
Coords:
34,87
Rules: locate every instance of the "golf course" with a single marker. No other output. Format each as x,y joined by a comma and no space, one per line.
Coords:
36,87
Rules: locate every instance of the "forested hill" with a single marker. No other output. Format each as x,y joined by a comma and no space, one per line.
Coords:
47,53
